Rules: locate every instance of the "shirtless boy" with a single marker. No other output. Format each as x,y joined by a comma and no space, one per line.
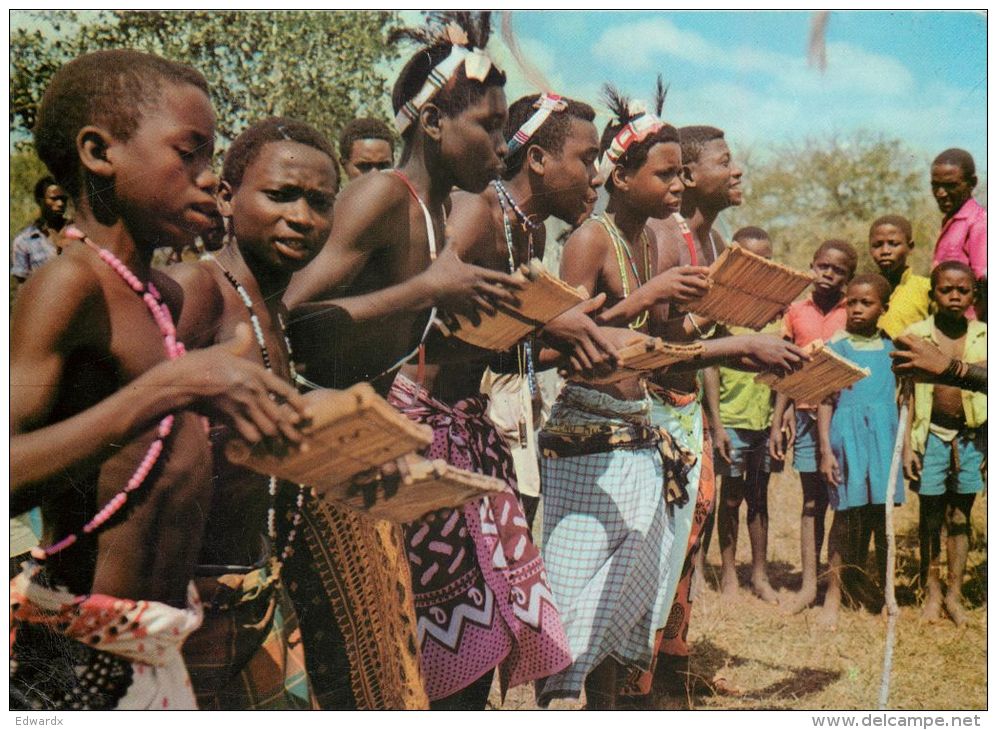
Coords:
103,399
277,190
550,172
945,455
373,285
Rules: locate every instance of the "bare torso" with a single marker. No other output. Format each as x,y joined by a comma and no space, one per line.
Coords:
946,404
148,553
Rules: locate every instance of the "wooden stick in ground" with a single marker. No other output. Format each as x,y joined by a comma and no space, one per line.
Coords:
891,549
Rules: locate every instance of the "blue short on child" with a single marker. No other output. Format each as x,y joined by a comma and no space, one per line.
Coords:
805,445
937,472
749,454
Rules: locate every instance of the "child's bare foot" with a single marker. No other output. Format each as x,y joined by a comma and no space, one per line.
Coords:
802,600
954,609
931,612
763,589
728,584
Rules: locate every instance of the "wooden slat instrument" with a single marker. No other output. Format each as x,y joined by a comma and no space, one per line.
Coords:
825,373
647,354
748,290
542,298
354,433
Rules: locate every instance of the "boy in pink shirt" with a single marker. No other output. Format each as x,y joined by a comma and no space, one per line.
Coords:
964,223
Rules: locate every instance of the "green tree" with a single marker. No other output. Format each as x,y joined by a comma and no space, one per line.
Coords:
806,192
323,67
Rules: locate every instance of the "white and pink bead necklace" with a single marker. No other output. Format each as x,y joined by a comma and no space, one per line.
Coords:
265,354
174,349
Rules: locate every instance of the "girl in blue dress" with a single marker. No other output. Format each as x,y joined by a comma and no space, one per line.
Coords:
857,430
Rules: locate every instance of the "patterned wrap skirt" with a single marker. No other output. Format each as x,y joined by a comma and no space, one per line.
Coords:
481,593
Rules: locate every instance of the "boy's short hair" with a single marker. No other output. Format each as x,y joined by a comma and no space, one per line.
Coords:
836,244
459,92
950,266
107,88
42,186
363,128
960,158
877,282
897,221
247,145
693,139
749,233
551,135
636,154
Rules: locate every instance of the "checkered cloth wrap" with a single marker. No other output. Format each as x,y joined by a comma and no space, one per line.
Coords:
248,655
608,537
682,415
481,592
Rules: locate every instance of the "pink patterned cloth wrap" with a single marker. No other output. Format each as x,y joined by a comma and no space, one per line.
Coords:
481,593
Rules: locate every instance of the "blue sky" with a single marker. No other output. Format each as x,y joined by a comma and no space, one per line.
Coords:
920,77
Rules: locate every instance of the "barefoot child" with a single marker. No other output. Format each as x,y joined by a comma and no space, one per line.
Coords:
740,412
946,454
856,434
104,435
610,478
817,317
891,240
277,190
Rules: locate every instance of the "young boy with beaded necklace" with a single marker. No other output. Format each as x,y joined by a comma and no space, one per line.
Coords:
278,187
598,447
105,436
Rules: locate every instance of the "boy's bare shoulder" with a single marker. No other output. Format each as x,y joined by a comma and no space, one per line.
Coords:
60,296
591,237
470,225
376,193
197,300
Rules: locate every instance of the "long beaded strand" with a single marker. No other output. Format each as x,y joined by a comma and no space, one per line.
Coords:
265,354
525,352
619,242
174,349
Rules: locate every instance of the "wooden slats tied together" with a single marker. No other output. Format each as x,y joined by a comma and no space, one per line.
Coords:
748,290
542,298
825,373
353,434
647,354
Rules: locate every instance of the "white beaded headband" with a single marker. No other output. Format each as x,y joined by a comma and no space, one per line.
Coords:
477,64
545,106
634,131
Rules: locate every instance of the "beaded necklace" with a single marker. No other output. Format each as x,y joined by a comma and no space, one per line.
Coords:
174,349
623,249
265,354
524,352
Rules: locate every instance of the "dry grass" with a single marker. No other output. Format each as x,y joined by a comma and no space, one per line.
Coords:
789,662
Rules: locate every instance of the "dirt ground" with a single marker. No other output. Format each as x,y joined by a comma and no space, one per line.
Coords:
789,662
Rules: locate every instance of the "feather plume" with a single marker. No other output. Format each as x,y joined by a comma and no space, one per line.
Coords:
660,92
532,74
619,105
476,25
